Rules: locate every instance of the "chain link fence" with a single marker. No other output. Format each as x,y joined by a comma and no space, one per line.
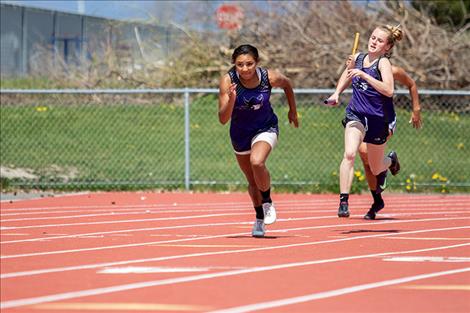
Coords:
171,139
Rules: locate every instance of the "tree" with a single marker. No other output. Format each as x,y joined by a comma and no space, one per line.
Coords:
450,13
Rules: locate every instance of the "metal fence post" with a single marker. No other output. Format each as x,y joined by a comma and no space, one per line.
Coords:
211,157
186,140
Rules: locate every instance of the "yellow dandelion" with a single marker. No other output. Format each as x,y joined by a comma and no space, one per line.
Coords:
408,181
41,109
460,146
435,176
429,161
357,173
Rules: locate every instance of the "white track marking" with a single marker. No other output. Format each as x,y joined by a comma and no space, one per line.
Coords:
221,236
174,257
400,201
224,235
162,269
80,267
117,307
336,292
438,259
238,207
176,206
131,221
197,216
126,231
408,212
139,285
432,238
438,287
201,225
74,216
371,224
149,213
121,209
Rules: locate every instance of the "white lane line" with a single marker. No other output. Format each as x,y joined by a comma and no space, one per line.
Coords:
174,257
165,228
125,307
222,236
374,223
153,213
175,206
73,216
438,259
130,221
438,287
122,209
167,208
166,258
443,213
133,286
5,228
297,209
401,201
125,231
433,238
163,269
336,292
203,225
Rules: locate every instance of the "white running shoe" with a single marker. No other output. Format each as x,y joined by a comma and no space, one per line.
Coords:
258,228
269,213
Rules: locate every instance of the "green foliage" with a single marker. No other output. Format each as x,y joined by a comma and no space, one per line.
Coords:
137,145
29,83
451,13
4,183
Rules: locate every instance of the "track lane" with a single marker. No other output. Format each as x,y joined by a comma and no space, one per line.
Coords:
324,235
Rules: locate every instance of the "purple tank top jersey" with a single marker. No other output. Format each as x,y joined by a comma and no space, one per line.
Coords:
252,112
366,100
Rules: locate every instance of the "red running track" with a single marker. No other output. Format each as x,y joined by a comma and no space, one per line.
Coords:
193,252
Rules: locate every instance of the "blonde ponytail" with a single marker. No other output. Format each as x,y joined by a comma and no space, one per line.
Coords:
395,33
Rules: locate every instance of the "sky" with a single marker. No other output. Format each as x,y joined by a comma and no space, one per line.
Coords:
165,12
137,9
109,9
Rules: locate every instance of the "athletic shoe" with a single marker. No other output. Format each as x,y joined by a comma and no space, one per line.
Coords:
269,213
343,210
375,208
258,228
370,215
381,182
395,166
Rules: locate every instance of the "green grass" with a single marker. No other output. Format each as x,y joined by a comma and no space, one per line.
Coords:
126,146
30,83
